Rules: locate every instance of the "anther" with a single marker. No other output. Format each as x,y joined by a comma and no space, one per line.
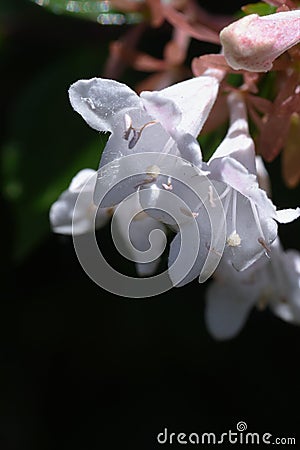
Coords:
211,197
136,133
234,240
189,213
168,186
262,242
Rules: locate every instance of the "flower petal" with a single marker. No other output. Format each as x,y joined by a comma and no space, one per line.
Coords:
133,235
236,175
189,250
226,310
194,98
84,178
140,232
169,115
256,232
287,215
285,269
100,101
162,109
237,143
62,218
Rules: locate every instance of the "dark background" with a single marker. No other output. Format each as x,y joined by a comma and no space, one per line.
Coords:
79,367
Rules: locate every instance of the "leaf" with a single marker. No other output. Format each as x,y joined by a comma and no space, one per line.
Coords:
211,140
262,9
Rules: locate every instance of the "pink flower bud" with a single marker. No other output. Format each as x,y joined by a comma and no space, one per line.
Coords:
254,42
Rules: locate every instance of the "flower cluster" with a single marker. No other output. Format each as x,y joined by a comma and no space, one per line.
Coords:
168,122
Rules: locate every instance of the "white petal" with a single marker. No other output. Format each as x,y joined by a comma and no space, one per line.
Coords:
194,98
226,310
83,178
285,313
189,250
62,218
169,115
287,215
61,214
233,173
252,236
285,270
99,101
153,137
237,143
115,170
140,231
179,202
189,148
162,109
137,236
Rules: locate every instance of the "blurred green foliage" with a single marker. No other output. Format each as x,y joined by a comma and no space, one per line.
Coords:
260,8
96,10
45,143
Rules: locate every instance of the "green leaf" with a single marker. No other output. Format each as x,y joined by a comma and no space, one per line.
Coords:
210,141
262,9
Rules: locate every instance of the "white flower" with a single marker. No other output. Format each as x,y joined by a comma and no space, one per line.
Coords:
61,212
132,236
64,220
251,215
273,283
165,122
168,122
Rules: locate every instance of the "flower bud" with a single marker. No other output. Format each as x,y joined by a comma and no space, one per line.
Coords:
254,42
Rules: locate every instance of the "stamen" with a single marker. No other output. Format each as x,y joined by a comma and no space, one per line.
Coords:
188,213
136,132
234,202
168,186
262,242
213,250
225,192
211,197
134,139
257,221
152,172
146,181
152,122
227,200
128,126
234,240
